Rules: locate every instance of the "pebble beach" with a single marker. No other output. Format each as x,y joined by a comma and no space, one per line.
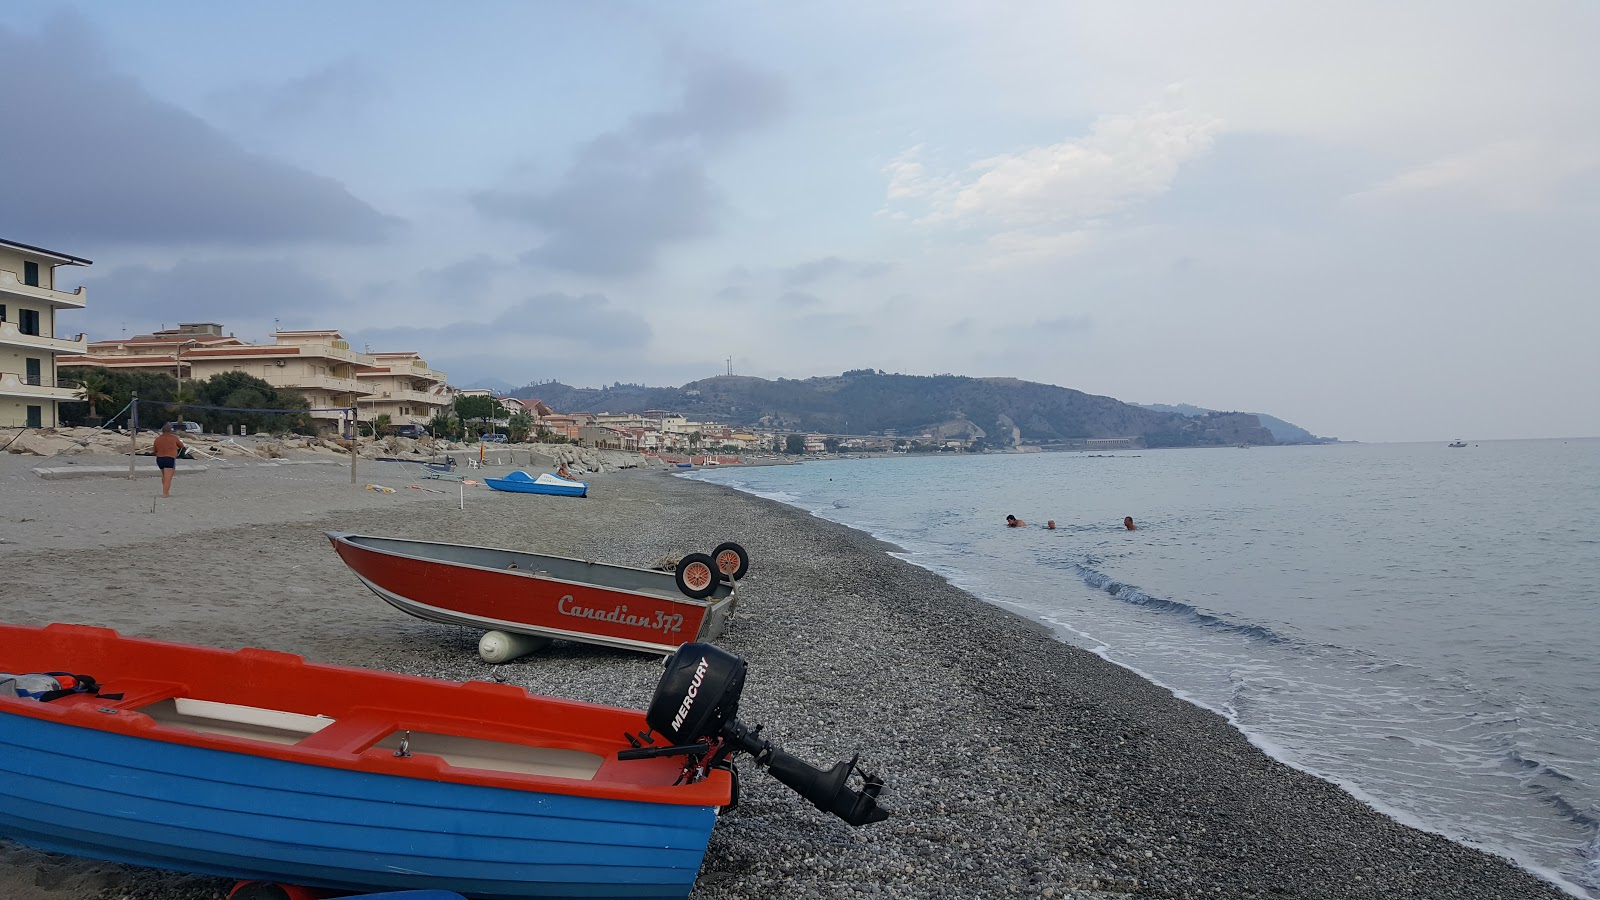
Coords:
1018,766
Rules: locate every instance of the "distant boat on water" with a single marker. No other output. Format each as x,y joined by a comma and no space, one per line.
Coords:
1458,443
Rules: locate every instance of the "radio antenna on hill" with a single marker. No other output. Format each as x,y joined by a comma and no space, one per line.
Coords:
730,365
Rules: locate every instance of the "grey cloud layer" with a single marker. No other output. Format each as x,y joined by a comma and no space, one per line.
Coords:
106,161
229,291
577,334
636,190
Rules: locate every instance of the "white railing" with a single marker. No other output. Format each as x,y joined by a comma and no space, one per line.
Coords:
15,385
11,284
11,334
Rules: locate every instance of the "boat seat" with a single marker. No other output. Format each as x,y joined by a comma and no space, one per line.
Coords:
233,720
499,756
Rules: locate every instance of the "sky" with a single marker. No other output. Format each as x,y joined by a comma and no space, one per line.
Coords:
1378,221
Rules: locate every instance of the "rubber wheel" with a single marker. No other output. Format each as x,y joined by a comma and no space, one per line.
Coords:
267,890
697,575
732,561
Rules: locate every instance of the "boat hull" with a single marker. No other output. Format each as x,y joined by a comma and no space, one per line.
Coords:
115,779
527,487
534,594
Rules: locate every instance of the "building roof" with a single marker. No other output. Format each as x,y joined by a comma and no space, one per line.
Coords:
66,258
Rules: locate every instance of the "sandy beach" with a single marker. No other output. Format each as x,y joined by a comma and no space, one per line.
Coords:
1018,766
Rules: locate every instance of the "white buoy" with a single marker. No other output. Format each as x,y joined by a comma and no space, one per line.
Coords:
503,646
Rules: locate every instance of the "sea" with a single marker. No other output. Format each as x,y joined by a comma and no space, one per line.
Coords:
1417,623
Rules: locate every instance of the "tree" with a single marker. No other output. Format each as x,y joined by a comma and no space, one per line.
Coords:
476,407
95,385
382,424
695,438
794,443
831,443
443,424
520,425
122,384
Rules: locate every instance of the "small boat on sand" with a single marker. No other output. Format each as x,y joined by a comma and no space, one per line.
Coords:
257,765
524,600
520,482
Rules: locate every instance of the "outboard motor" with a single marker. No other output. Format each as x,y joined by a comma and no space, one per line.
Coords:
694,708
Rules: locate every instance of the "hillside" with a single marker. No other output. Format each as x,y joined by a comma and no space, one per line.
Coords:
1000,412
1284,432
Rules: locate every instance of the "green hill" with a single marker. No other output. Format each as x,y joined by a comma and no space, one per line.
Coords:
999,412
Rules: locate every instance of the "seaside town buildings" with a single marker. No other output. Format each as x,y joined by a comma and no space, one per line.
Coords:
318,364
30,386
405,388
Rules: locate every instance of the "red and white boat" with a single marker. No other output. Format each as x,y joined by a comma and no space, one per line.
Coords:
525,600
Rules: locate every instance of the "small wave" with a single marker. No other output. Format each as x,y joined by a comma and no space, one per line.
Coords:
1127,593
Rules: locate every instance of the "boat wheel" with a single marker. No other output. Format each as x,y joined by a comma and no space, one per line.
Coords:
696,575
269,890
732,561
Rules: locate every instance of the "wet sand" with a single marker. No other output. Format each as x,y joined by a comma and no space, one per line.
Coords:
1018,766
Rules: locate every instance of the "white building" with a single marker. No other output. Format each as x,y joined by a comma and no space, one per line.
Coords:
29,300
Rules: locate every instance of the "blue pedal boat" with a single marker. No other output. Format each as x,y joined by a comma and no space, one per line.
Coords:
254,764
520,482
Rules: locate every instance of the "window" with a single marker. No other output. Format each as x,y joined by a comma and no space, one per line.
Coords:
2,312
33,375
29,321
35,417
30,273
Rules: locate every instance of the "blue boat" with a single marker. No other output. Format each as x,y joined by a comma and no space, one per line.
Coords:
259,766
520,482
256,765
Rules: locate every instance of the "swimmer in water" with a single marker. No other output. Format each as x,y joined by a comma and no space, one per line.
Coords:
1127,522
1051,524
1014,522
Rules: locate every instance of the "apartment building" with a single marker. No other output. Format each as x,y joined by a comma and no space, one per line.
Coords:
30,387
403,387
318,364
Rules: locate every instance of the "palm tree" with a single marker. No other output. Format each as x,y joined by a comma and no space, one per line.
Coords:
381,425
694,439
94,386
184,397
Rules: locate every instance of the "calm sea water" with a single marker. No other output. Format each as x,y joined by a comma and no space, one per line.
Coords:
1417,623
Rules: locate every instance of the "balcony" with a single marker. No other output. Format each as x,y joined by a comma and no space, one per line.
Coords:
11,336
327,351
11,285
417,398
320,382
15,385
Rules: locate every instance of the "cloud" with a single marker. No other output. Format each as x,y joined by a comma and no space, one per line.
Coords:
1123,160
1045,201
243,292
635,191
798,299
1508,176
338,90
557,332
105,160
830,266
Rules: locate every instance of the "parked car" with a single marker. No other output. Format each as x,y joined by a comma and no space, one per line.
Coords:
493,438
411,431
186,428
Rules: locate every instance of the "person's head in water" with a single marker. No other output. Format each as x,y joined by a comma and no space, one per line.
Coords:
1127,522
1051,524
167,428
1014,522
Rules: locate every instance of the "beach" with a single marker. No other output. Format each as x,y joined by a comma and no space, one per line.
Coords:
1018,766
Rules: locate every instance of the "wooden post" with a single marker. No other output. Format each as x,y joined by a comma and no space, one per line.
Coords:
355,435
133,434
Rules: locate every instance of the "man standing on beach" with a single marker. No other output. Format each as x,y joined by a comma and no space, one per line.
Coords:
167,449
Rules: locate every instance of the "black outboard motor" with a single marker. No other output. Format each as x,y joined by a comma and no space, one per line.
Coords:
694,708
